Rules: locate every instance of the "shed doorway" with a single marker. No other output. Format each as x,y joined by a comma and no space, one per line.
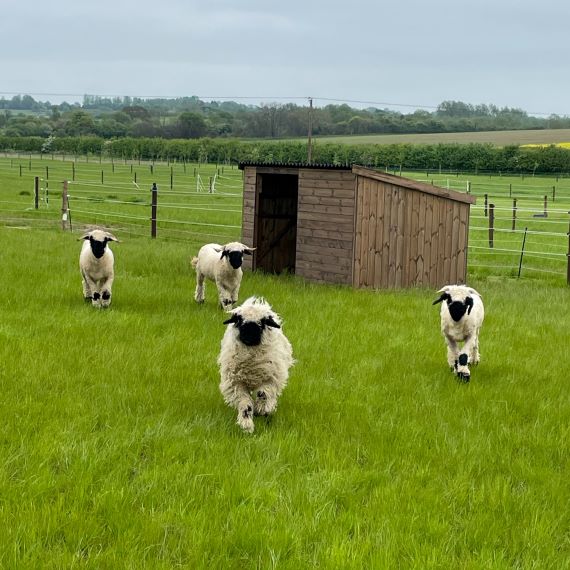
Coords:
276,222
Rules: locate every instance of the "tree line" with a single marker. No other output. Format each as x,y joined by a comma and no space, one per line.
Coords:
454,157
192,118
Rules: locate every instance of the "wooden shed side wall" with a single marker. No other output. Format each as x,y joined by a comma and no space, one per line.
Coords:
406,238
325,225
248,212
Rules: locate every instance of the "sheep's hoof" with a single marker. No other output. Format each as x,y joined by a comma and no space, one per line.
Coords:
464,377
199,301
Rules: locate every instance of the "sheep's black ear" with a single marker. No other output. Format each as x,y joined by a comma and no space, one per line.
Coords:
233,319
469,304
444,297
224,254
268,321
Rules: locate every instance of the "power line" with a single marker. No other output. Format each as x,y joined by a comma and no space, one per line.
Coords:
252,98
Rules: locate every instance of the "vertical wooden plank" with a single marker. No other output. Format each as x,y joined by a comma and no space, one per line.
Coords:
413,253
428,240
386,234
380,222
373,191
448,237
365,231
400,232
409,273
453,275
435,279
358,234
441,210
393,238
420,258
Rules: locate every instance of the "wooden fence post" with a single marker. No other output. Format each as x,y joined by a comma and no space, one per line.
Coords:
514,213
64,206
36,192
486,203
491,224
545,206
171,177
522,252
553,193
153,209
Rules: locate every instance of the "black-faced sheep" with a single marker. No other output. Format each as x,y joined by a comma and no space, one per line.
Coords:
222,264
462,315
96,263
254,361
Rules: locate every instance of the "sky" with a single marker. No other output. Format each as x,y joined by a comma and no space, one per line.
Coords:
403,55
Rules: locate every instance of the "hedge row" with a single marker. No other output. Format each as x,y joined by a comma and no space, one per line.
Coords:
466,157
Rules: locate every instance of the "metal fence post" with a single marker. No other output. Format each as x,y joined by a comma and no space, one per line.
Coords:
153,208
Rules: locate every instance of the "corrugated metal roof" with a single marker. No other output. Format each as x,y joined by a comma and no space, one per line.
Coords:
323,166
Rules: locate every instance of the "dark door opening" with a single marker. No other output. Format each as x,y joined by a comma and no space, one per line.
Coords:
276,222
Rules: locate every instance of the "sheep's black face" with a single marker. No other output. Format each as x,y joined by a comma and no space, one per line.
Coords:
235,258
456,309
98,247
250,333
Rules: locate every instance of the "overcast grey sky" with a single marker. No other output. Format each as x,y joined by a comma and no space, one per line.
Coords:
414,53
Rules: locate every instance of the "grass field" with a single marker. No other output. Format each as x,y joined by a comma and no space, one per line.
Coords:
118,452
499,138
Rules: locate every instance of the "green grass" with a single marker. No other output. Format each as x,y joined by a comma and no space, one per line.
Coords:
117,450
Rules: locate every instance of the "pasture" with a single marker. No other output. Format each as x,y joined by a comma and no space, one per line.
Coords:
117,450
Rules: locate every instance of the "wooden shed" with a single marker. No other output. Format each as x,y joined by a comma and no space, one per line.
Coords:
354,225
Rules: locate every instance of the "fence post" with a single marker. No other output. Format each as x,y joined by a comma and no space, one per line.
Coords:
64,206
171,177
102,177
153,209
553,193
545,206
36,192
468,187
510,190
514,213
486,203
522,251
73,171
491,224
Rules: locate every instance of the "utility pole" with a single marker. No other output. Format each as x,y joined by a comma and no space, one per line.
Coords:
310,133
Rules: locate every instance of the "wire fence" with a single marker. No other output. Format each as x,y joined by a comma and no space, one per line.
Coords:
518,227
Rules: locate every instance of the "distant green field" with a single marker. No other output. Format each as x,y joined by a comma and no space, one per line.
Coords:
499,138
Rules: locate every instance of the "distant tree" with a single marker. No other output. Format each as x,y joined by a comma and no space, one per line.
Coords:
191,126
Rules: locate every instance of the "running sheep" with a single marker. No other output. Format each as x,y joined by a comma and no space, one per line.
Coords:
222,264
254,361
461,320
96,263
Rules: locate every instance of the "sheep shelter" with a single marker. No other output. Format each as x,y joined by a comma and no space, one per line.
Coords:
353,225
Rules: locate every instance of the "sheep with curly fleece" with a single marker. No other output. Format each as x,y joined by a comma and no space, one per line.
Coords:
96,263
254,361
222,264
461,320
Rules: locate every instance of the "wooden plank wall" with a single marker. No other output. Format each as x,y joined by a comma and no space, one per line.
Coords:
325,225
248,212
407,238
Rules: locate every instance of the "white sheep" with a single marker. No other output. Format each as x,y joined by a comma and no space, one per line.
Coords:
96,263
254,361
461,320
222,264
